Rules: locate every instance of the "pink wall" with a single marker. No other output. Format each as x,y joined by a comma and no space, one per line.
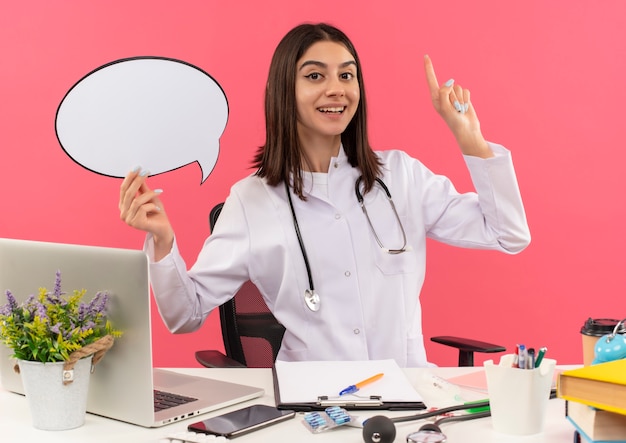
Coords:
546,79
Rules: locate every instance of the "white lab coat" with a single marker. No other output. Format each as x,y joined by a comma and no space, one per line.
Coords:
370,305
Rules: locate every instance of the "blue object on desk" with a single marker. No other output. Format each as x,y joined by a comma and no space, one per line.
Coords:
610,347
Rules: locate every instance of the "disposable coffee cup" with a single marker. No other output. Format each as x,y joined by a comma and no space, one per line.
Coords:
592,330
518,398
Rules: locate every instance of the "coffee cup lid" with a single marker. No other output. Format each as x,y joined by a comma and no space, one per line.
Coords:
602,326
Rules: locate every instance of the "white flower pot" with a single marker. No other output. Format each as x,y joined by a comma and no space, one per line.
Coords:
54,405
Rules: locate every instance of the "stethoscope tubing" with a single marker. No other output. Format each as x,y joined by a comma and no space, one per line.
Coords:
359,197
300,241
436,412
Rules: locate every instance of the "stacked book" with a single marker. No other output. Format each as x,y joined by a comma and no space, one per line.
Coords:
596,400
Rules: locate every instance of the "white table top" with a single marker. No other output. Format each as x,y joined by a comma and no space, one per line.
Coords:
15,422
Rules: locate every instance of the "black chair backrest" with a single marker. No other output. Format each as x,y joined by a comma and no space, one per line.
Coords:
251,333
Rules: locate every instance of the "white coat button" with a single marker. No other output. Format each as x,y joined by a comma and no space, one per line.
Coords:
347,274
357,331
337,216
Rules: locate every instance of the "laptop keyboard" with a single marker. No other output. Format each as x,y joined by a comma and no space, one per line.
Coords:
165,400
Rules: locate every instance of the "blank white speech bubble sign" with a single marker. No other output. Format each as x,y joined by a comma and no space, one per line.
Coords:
156,113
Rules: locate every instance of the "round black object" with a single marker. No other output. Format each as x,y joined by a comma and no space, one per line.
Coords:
379,429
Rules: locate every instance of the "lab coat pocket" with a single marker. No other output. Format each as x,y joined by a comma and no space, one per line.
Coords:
395,263
391,264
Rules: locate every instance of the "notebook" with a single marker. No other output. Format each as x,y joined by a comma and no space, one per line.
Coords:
124,384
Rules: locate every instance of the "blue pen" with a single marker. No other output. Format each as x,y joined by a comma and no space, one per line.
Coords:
521,362
355,387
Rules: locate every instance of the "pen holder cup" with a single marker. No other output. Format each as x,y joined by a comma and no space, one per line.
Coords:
518,398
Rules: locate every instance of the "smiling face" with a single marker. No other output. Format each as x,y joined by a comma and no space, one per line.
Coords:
327,93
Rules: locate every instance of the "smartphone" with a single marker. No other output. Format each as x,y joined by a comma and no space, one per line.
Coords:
242,421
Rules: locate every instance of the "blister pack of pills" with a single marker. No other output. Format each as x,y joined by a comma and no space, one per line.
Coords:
330,418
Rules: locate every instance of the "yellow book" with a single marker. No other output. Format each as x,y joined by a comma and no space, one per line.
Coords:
602,385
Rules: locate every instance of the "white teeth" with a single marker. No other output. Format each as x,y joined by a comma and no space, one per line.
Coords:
340,109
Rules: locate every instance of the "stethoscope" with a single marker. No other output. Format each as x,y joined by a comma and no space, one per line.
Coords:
359,197
381,429
312,298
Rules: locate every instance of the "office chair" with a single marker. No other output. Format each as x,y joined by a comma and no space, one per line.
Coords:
252,336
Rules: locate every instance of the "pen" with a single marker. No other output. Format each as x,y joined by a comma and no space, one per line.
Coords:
530,364
542,352
355,387
515,357
522,357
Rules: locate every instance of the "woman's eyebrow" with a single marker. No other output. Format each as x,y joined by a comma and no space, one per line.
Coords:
324,65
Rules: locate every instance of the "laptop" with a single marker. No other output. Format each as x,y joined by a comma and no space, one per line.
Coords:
124,385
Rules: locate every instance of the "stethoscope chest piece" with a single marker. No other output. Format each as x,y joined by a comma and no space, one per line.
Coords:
428,433
312,300
426,437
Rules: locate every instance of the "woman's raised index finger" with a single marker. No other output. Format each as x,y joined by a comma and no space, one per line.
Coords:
431,78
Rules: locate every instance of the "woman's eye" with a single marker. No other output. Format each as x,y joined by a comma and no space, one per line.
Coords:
314,76
347,76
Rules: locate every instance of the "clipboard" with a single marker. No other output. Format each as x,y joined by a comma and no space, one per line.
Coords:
326,376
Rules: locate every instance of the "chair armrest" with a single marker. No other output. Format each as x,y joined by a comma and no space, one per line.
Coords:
467,347
216,359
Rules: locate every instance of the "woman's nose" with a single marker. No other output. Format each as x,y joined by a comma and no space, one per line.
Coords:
335,89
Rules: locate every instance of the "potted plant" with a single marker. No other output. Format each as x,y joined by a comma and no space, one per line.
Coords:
56,337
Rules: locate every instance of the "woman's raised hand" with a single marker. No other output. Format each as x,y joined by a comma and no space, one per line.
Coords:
453,104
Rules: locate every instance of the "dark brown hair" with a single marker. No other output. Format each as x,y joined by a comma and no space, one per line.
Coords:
281,154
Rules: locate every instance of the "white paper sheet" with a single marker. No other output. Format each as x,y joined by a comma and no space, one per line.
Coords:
304,382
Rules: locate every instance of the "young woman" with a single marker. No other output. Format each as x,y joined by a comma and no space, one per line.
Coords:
331,232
